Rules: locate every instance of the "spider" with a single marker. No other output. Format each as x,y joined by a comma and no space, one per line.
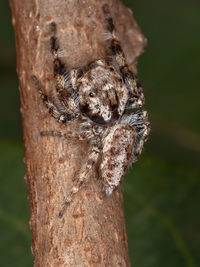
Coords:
99,95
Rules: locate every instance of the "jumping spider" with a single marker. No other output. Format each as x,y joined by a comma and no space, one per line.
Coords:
99,94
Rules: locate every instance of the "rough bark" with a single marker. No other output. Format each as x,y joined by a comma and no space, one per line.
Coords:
92,231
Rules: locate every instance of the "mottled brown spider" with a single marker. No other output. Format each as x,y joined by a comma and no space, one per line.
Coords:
99,94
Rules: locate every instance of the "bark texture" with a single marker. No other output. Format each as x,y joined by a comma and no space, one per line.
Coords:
92,231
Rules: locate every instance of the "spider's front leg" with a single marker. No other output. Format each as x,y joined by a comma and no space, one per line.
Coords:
65,107
66,79
136,95
56,111
122,145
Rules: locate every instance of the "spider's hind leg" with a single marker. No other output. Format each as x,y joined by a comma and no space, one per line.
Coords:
83,177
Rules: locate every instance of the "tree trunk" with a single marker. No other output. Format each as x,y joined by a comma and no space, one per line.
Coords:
92,231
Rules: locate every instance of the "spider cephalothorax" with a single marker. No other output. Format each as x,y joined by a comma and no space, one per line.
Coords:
103,94
99,94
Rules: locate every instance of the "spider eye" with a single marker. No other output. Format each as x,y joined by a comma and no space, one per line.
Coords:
91,94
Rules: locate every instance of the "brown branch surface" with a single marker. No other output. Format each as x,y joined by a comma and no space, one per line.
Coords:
92,231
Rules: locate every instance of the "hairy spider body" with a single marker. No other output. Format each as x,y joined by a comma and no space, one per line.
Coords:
99,94
103,94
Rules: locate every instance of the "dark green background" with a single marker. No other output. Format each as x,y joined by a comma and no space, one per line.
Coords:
161,191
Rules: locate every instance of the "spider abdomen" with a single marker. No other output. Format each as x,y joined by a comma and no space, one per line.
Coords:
117,151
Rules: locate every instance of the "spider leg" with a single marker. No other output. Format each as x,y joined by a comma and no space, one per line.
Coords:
69,135
60,116
115,47
83,177
58,65
140,123
136,96
66,79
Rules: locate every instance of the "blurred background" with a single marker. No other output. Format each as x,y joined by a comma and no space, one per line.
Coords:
162,195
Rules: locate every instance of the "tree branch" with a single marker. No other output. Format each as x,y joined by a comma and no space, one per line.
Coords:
92,231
